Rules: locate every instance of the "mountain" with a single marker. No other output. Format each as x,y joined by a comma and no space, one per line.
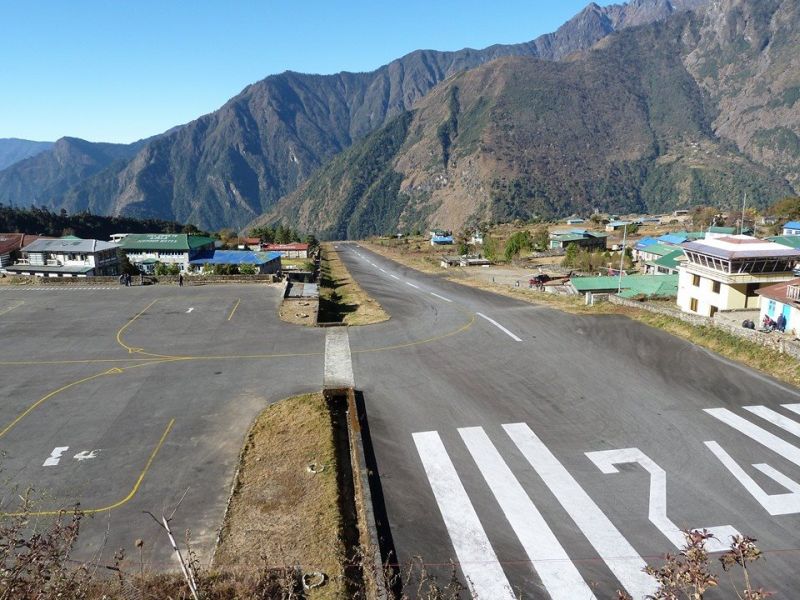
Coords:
230,166
695,109
13,150
45,178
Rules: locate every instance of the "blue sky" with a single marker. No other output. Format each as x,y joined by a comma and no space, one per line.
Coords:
120,70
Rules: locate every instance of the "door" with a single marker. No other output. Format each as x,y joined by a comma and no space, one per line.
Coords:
787,312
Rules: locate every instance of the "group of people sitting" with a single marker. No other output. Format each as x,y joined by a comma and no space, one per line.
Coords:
770,324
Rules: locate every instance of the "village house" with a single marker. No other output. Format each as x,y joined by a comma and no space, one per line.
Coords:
293,250
587,240
726,273
67,257
264,262
782,299
146,249
11,245
791,228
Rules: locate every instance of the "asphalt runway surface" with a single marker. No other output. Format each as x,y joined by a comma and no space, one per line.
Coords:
552,455
128,399
546,454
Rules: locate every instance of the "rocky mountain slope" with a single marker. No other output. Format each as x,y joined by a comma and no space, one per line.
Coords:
228,167
13,150
700,108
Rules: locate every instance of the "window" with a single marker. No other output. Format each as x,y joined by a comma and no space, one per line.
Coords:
715,286
712,311
696,280
693,304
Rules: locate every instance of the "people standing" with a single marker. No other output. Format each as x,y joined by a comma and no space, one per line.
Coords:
180,280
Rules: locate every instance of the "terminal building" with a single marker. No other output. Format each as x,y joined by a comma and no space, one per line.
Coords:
67,257
146,249
725,273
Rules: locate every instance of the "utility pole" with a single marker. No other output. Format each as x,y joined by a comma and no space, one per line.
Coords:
622,256
741,224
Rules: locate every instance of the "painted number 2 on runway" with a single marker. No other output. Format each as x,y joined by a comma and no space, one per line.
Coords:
606,461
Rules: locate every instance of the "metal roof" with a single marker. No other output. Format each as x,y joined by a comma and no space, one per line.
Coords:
164,241
49,269
15,241
670,261
236,257
640,285
792,225
792,241
741,246
778,291
68,245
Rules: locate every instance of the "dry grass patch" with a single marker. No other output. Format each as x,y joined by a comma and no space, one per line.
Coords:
342,300
281,513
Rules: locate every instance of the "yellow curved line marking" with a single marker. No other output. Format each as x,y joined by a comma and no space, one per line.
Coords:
238,301
437,338
131,349
10,308
46,397
125,500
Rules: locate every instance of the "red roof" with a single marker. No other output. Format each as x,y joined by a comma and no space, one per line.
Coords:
251,241
279,247
9,242
778,291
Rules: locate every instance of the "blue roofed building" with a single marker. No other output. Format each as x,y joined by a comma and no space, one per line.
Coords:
441,240
264,262
791,228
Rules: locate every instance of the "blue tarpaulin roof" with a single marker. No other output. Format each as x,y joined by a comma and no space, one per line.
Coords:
236,257
792,225
645,242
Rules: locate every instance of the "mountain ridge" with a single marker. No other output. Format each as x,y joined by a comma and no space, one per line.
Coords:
230,166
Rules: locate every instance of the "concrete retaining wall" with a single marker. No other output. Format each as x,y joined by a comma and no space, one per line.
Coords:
162,279
774,340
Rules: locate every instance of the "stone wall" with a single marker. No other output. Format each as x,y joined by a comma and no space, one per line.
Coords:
774,340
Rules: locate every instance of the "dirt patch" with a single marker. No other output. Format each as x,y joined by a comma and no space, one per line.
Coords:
299,311
342,300
285,507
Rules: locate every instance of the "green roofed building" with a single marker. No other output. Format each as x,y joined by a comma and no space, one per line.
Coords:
588,240
791,241
633,286
665,265
167,248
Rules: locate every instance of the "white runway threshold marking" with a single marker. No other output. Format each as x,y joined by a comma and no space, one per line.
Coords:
441,297
416,287
338,372
500,327
557,572
621,558
477,559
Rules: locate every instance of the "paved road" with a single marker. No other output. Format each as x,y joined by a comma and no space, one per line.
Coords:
124,399
554,454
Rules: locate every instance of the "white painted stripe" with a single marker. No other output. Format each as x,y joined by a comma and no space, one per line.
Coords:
441,297
756,433
795,408
477,559
190,310
394,276
500,327
381,270
774,504
412,285
557,572
775,418
610,544
55,456
338,370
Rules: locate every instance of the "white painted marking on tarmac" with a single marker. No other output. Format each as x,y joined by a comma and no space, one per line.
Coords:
412,285
381,270
795,408
86,455
621,558
190,310
774,504
557,572
55,456
606,461
394,276
756,433
775,418
441,297
500,327
338,370
478,561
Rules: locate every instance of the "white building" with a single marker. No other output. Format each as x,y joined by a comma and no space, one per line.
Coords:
167,248
67,258
725,273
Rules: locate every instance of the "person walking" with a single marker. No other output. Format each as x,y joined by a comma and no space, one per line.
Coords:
180,280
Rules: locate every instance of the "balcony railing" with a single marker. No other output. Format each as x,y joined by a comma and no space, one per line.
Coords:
793,292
